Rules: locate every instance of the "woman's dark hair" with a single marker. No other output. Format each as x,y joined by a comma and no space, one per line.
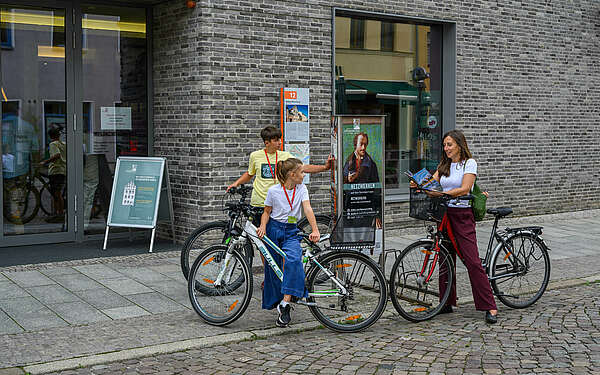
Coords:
284,167
459,138
269,133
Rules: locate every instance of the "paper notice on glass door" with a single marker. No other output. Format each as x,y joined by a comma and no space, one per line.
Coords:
115,118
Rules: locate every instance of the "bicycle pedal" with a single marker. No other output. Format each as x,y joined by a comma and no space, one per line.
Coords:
305,303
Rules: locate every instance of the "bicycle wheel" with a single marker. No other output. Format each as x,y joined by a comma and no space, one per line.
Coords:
21,203
213,233
520,273
366,295
46,199
217,302
323,222
420,281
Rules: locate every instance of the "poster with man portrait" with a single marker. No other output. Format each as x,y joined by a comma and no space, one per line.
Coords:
362,177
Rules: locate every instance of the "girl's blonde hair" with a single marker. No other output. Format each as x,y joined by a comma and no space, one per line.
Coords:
285,167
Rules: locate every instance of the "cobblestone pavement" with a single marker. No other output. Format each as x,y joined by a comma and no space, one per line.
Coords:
559,336
574,252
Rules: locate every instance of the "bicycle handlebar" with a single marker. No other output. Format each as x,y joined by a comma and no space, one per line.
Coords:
242,190
448,197
304,236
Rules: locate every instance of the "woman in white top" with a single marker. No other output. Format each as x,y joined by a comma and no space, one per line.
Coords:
283,206
456,173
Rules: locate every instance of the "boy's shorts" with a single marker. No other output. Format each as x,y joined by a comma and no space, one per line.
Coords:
57,182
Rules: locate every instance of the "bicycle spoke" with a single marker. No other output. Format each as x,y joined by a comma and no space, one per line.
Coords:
521,273
418,277
218,292
364,297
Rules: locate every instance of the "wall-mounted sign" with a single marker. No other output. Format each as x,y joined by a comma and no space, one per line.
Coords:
295,115
300,151
295,124
115,118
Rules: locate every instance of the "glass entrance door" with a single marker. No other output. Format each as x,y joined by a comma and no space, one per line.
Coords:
36,124
114,100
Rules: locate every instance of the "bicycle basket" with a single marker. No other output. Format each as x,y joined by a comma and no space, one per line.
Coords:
424,207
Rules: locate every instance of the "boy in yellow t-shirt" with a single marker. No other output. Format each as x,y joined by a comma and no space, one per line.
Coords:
263,163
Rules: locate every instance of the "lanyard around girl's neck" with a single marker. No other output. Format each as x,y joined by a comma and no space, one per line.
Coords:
271,169
288,197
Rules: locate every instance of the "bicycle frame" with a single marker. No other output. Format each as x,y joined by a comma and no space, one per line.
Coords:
444,226
250,231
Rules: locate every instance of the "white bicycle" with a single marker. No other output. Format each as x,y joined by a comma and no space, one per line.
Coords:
347,289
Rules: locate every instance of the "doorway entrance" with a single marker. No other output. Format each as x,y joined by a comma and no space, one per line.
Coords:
74,97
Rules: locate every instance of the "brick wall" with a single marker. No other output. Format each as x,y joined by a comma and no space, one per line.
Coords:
527,94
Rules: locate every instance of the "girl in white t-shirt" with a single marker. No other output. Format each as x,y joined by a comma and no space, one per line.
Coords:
283,206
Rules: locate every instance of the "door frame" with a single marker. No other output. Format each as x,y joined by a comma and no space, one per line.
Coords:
74,121
71,183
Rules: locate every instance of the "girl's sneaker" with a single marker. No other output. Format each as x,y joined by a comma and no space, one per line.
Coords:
284,318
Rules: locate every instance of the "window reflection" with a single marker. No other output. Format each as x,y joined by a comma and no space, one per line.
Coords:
375,65
33,95
114,105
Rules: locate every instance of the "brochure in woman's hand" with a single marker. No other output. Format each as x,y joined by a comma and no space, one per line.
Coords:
424,179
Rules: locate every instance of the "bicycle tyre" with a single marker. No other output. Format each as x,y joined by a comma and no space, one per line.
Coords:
46,199
414,300
212,233
27,207
527,247
367,291
219,305
323,223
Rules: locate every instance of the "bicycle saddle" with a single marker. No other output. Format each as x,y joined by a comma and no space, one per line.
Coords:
500,211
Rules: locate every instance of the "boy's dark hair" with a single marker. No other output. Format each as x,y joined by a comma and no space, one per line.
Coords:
54,132
269,133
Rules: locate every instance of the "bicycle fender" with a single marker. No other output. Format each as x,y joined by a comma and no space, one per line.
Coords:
507,237
529,231
321,258
425,239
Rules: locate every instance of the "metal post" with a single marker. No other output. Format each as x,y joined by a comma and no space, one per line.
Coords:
152,240
105,237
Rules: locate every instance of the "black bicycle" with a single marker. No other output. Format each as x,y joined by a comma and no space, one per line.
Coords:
221,231
21,199
516,262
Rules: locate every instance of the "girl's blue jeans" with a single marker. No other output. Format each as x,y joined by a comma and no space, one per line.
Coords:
286,237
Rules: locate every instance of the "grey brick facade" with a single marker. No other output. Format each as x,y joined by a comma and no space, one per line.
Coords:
527,94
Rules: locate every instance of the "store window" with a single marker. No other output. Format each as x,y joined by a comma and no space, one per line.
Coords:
393,68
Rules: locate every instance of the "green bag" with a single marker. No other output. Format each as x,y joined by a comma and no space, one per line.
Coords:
478,203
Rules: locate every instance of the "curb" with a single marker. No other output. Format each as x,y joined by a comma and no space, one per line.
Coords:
177,346
173,347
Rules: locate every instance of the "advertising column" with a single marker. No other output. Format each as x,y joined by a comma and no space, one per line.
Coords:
361,178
